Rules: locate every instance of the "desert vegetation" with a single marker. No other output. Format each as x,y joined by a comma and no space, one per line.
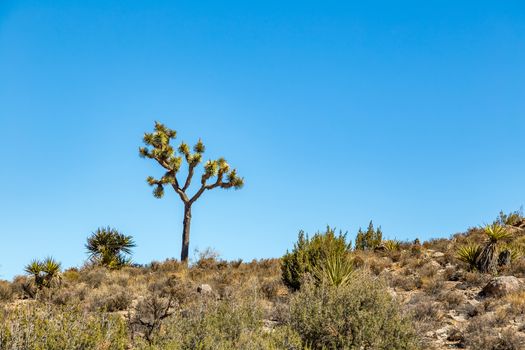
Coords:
324,293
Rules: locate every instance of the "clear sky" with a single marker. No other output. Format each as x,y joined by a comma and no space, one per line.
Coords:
410,113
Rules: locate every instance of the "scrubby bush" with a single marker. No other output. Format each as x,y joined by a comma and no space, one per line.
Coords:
209,323
110,299
38,326
359,315
6,292
309,253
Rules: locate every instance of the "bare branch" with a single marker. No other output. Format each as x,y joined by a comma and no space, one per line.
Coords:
190,175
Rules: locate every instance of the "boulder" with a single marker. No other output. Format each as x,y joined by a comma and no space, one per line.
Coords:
500,286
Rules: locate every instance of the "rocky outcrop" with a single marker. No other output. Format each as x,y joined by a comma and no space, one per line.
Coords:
500,286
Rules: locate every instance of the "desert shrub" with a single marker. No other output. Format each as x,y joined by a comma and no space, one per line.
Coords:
272,288
474,279
6,292
406,283
71,295
23,287
94,276
431,285
481,334
359,315
438,244
209,259
370,239
423,308
109,299
71,275
39,326
308,253
453,298
378,265
210,323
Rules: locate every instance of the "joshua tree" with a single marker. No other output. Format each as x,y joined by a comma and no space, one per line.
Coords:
487,260
158,148
108,247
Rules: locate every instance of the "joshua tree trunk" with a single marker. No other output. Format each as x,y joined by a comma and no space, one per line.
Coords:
487,260
186,233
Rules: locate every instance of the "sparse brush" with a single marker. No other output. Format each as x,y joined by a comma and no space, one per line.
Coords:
469,254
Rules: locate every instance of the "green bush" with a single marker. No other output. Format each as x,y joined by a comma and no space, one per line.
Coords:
309,254
370,239
358,315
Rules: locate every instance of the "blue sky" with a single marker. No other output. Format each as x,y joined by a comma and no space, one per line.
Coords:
409,113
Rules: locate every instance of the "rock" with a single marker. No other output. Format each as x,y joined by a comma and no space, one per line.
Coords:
438,255
204,289
500,286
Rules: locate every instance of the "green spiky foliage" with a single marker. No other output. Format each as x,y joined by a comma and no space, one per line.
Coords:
392,245
215,173
309,254
487,261
44,272
469,254
110,248
370,239
336,270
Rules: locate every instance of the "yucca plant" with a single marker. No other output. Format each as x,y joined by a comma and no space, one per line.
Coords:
335,270
44,272
392,245
487,260
110,248
469,254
